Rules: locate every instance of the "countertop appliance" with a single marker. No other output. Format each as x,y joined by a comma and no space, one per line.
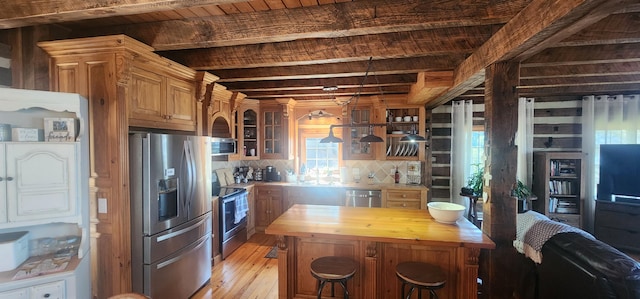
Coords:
271,174
170,214
363,198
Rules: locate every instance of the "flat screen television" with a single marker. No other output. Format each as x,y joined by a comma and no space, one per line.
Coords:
619,173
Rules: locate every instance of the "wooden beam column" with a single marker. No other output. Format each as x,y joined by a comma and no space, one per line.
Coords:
500,208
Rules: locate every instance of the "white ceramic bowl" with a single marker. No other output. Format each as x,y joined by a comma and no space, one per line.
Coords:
398,118
445,212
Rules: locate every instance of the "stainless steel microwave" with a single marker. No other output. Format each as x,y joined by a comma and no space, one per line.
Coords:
222,146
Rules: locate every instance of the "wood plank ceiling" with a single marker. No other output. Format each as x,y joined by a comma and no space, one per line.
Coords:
430,50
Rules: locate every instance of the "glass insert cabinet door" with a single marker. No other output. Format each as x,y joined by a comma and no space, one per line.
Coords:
354,148
272,132
250,134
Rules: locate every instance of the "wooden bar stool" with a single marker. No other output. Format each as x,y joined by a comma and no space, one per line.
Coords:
333,269
421,276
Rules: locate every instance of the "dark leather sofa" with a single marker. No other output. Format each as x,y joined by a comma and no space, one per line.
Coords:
575,266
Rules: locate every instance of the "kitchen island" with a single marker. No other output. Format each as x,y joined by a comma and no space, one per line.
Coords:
378,239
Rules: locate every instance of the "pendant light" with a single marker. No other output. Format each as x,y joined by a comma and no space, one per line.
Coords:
331,138
413,137
371,137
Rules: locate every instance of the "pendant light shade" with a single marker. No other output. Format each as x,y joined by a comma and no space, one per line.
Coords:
371,137
413,137
331,138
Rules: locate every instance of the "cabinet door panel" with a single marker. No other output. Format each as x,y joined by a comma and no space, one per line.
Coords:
181,102
45,178
146,96
15,294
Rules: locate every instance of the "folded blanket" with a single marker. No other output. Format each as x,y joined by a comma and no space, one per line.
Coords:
534,229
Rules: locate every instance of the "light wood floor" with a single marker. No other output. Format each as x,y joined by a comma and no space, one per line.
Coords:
245,274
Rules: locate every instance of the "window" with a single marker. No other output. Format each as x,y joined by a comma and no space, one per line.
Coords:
321,159
477,149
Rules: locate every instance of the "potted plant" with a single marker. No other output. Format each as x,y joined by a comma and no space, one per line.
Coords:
524,195
475,183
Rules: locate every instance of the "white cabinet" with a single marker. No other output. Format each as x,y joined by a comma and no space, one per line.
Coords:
40,180
15,294
52,290
44,189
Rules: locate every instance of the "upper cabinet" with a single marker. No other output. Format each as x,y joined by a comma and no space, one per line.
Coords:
159,101
402,121
275,124
353,148
247,124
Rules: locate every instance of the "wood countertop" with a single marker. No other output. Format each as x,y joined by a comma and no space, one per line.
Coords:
377,225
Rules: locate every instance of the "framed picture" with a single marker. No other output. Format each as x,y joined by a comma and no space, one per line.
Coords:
59,129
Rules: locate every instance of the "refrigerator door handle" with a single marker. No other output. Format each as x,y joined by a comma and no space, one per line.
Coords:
182,231
188,163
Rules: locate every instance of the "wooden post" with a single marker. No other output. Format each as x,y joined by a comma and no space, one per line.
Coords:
499,219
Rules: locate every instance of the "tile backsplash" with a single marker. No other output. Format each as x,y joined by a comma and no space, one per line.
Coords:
383,171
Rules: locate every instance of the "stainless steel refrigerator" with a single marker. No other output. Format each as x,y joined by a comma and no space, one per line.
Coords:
170,178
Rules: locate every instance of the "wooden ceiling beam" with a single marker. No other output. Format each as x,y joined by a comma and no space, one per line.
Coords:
535,28
603,88
381,67
323,21
384,80
21,13
628,52
367,90
614,29
579,70
596,79
344,49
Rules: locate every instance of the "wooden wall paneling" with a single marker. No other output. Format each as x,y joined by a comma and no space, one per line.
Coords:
557,125
499,220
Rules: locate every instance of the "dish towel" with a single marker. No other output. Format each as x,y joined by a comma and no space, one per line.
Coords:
535,229
242,206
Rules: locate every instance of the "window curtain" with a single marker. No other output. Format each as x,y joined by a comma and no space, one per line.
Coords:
461,133
605,120
524,140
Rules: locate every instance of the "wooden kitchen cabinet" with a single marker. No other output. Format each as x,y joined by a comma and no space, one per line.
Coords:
353,148
159,101
247,127
275,123
268,205
402,198
251,219
128,86
402,121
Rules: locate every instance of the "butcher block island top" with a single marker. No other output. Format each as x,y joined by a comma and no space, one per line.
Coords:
378,239
377,225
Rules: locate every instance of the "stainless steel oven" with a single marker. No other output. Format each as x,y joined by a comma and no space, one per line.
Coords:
233,208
